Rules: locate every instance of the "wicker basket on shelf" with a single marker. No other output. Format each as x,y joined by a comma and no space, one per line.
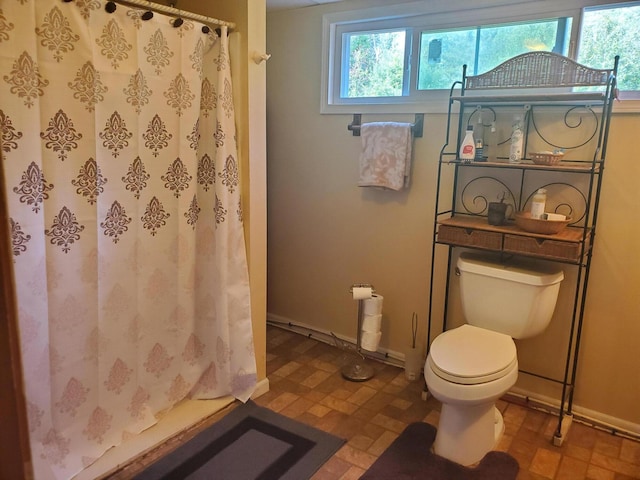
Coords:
537,225
546,158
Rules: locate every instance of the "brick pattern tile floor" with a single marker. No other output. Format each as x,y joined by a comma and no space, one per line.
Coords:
306,384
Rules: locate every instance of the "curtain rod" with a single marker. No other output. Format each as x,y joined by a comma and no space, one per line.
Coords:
177,12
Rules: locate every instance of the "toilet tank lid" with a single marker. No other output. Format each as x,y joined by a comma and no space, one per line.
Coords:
514,270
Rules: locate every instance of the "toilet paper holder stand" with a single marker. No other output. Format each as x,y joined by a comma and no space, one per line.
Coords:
358,370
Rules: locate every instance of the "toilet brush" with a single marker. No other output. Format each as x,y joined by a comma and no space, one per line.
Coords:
414,329
413,356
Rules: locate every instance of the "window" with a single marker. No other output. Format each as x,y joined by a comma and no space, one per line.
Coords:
610,31
409,56
482,48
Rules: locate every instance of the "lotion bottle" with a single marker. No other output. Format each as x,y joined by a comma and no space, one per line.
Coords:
468,146
538,203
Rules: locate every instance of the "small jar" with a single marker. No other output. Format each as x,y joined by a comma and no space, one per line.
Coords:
479,151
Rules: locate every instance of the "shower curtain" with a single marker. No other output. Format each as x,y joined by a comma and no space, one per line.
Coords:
122,179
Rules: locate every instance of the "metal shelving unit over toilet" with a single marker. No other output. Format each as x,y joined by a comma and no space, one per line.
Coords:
515,86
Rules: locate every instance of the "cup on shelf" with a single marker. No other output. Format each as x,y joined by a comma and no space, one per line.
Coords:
497,213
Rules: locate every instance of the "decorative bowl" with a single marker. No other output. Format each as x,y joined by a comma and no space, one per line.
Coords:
535,225
546,158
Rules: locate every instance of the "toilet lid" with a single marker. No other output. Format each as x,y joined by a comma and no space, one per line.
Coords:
471,355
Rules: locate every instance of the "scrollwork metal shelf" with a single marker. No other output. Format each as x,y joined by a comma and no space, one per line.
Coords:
573,185
571,166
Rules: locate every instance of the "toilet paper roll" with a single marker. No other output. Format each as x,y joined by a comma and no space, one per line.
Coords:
371,323
373,305
370,341
361,293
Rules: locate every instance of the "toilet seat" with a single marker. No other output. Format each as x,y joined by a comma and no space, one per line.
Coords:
471,355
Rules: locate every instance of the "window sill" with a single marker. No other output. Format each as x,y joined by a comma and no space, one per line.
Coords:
439,106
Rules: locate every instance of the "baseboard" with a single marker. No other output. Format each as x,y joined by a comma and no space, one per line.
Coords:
581,414
262,387
326,336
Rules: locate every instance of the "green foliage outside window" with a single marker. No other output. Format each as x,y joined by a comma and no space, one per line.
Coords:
494,45
610,32
376,64
376,59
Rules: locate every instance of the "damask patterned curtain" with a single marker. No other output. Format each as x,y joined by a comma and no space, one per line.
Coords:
122,180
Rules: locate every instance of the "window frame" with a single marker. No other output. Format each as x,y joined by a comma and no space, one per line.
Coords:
440,16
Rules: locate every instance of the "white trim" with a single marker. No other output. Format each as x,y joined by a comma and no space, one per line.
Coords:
626,106
440,106
328,35
262,387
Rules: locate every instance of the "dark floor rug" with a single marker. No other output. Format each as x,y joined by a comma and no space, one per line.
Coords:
409,458
250,443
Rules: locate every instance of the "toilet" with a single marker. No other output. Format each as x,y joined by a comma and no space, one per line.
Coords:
469,367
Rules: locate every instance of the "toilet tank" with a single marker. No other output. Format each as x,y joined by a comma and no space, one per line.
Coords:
515,297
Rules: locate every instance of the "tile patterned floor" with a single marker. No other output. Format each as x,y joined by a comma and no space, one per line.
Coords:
306,384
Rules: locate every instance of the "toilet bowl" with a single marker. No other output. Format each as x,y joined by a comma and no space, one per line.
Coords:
484,368
469,367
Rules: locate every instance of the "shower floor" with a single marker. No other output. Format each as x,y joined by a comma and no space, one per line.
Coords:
183,421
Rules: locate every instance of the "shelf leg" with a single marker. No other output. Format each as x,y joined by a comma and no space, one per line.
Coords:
564,430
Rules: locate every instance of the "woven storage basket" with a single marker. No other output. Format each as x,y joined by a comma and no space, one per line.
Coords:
546,158
470,237
542,248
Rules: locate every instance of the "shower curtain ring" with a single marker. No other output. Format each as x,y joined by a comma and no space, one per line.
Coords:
110,7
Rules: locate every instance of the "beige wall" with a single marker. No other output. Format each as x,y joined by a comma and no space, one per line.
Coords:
249,92
325,233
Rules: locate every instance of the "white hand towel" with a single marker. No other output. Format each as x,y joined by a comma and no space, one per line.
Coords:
385,160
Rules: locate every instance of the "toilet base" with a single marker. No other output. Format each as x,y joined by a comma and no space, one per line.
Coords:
467,434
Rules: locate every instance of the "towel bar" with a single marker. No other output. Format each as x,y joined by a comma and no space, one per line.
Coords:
416,126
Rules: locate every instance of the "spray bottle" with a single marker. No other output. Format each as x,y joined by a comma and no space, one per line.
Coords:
517,139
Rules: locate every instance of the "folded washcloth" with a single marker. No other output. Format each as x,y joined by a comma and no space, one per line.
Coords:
385,160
